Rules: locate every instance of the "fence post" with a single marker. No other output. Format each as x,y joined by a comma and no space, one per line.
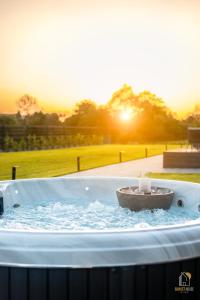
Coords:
1,204
146,152
14,172
120,156
166,147
3,135
78,163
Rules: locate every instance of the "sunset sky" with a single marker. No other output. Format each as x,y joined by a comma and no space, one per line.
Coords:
63,51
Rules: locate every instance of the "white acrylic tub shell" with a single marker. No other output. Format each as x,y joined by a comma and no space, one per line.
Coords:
96,248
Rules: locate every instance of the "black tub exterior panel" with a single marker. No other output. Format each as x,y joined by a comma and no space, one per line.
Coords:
98,282
58,284
5,284
148,282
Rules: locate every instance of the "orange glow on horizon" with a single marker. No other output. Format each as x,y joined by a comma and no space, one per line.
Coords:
63,51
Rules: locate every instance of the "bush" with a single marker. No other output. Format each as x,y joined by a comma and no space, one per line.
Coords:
33,142
22,145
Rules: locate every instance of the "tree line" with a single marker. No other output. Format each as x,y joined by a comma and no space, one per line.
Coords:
148,120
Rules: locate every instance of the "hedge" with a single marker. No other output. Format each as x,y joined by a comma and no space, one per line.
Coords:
33,142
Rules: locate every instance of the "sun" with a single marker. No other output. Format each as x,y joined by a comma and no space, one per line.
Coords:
125,115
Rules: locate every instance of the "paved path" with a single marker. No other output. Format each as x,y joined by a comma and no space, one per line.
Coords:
134,168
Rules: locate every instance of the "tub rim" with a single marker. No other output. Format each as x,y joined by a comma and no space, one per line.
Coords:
119,248
150,228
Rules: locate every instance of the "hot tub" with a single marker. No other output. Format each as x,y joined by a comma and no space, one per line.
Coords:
145,262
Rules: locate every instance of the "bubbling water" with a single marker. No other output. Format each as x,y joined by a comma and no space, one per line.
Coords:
82,215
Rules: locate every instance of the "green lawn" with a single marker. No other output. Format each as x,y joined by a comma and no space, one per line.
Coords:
57,162
175,176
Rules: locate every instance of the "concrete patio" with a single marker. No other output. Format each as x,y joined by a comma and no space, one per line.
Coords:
134,168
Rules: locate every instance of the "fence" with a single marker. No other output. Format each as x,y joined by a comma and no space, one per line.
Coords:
61,162
23,134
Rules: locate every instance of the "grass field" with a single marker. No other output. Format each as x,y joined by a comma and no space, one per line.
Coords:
193,177
57,162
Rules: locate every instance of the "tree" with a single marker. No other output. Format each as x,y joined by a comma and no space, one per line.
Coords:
122,98
40,118
87,113
27,105
151,119
149,99
84,114
193,118
52,119
63,116
85,106
155,122
7,120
